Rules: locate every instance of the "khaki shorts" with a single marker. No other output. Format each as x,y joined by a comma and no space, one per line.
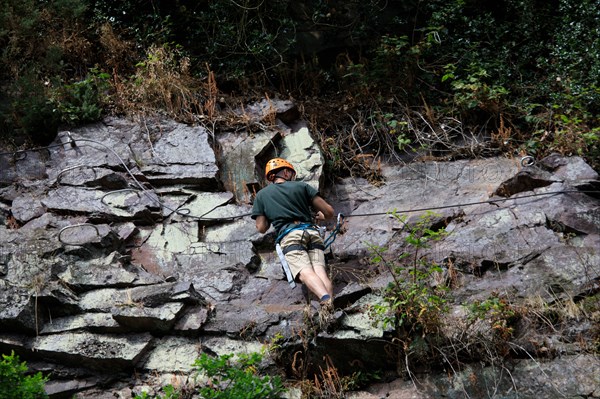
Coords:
299,259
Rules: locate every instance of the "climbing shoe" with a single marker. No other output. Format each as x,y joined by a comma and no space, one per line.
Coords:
326,313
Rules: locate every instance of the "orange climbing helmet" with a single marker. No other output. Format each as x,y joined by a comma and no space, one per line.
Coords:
275,165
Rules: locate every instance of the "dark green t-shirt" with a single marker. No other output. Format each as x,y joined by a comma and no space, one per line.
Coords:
285,203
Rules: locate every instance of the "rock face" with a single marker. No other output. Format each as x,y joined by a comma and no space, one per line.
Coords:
128,248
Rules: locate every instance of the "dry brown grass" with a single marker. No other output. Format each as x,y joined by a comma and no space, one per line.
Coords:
327,384
162,84
117,52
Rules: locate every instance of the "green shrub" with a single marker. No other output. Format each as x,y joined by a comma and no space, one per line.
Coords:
239,379
42,46
502,316
412,306
16,384
227,379
170,392
83,101
30,113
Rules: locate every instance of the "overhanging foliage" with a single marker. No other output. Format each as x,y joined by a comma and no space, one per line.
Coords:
510,76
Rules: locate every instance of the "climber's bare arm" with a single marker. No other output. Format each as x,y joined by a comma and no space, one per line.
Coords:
322,206
262,224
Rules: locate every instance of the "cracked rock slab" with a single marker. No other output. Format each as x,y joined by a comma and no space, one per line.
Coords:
96,351
173,354
109,205
27,207
158,319
181,155
105,272
93,322
105,300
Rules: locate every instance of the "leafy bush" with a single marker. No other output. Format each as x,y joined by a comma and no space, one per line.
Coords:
170,392
458,70
412,305
239,379
501,314
41,45
16,384
536,71
30,113
83,101
227,379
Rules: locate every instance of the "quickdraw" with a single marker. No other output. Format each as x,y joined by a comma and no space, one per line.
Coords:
338,227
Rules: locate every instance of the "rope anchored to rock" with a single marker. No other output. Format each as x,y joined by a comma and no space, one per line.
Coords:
526,161
338,229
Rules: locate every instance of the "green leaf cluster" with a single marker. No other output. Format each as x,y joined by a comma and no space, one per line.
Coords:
501,314
229,379
15,383
529,67
412,306
169,392
83,101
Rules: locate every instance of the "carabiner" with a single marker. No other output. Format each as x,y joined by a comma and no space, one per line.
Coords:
527,161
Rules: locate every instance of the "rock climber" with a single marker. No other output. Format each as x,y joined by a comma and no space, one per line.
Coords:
288,204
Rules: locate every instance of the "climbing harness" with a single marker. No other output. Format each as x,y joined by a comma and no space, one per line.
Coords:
296,226
281,251
286,267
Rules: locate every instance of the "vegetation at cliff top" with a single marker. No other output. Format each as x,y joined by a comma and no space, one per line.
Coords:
440,79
